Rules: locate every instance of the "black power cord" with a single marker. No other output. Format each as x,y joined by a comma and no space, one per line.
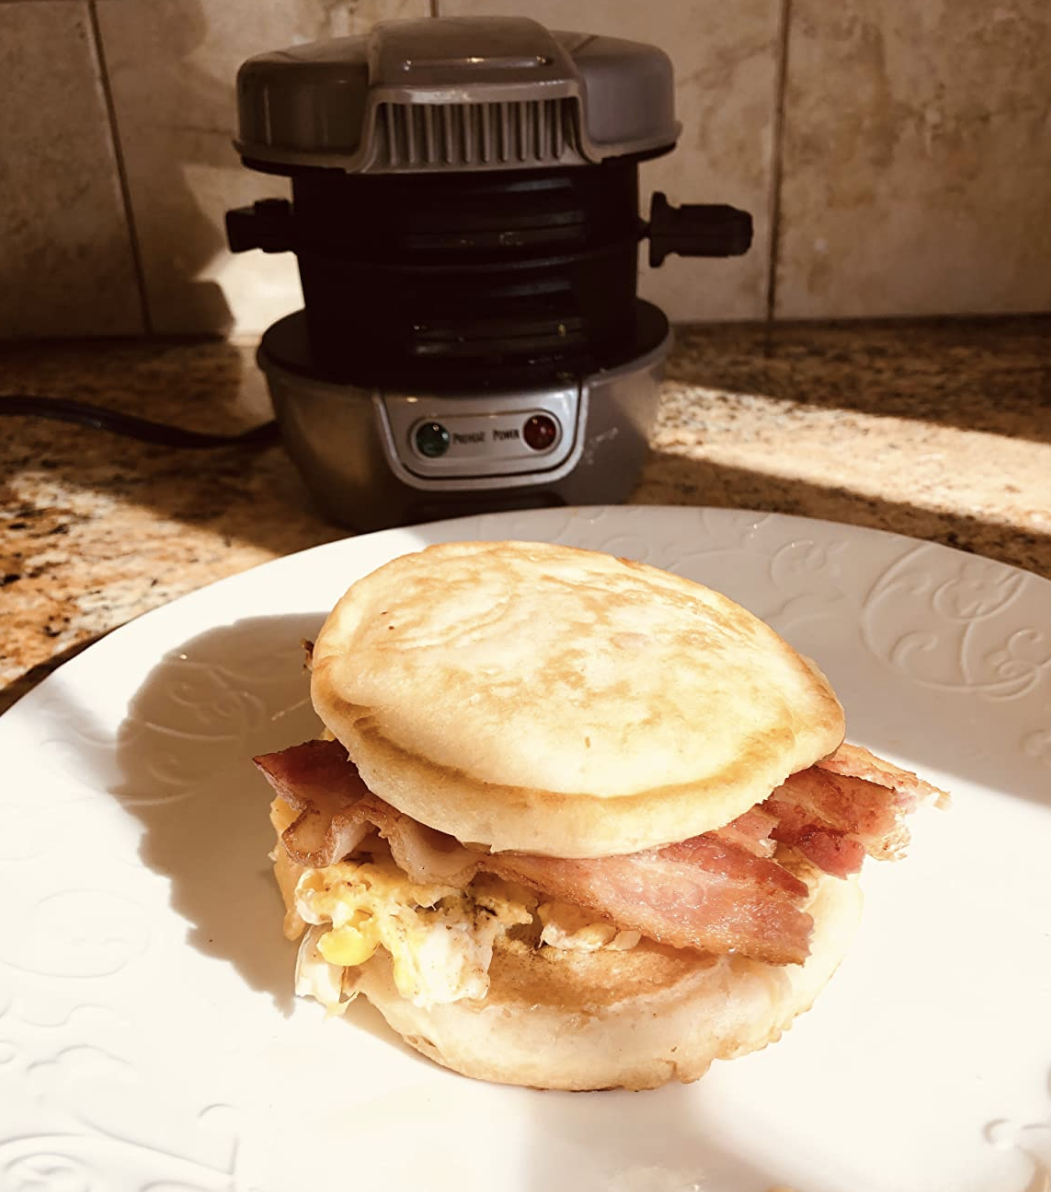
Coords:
60,409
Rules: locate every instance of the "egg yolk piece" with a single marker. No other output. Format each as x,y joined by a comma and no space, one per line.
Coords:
440,938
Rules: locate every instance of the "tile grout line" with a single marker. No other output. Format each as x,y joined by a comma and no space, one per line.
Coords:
777,157
122,174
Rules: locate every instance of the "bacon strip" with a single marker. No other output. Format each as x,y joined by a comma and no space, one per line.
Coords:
751,831
857,762
835,820
828,848
318,781
702,893
848,806
424,853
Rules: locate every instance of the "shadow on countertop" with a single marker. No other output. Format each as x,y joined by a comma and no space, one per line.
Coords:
249,493
980,374
671,479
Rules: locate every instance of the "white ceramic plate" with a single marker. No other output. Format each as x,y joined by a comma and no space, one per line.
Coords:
148,1040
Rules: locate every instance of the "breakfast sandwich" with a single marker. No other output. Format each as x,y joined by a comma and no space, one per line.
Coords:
572,821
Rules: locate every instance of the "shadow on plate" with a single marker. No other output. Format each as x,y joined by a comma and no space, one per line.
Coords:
185,753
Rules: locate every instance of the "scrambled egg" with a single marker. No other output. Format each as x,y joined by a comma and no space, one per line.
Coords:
440,939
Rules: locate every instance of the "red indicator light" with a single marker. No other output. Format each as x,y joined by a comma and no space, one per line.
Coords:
540,432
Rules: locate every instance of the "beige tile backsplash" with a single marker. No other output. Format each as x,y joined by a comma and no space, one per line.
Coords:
66,263
912,173
916,158
172,65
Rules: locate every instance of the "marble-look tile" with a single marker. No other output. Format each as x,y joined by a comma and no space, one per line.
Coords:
725,59
916,159
172,66
65,253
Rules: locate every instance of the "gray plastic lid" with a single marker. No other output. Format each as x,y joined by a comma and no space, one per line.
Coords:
455,93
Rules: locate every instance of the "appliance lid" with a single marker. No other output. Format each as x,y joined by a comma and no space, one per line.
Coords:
455,93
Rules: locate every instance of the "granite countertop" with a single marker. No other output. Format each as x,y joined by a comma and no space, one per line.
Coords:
937,430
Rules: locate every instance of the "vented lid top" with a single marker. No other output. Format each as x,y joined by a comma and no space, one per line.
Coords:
455,93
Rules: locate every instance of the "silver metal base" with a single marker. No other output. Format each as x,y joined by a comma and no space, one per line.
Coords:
359,455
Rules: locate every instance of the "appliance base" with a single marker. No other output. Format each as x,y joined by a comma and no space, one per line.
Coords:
352,462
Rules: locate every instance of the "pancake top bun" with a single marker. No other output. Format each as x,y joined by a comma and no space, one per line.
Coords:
544,699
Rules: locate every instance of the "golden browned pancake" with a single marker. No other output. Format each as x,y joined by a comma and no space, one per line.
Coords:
540,698
635,1019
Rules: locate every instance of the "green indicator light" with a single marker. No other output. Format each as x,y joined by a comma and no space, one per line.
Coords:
432,439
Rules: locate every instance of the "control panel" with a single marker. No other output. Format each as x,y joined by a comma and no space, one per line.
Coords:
495,435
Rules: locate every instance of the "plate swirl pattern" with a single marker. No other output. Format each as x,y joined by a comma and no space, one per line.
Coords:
148,1040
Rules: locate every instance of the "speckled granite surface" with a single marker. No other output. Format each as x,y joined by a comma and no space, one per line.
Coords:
941,431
